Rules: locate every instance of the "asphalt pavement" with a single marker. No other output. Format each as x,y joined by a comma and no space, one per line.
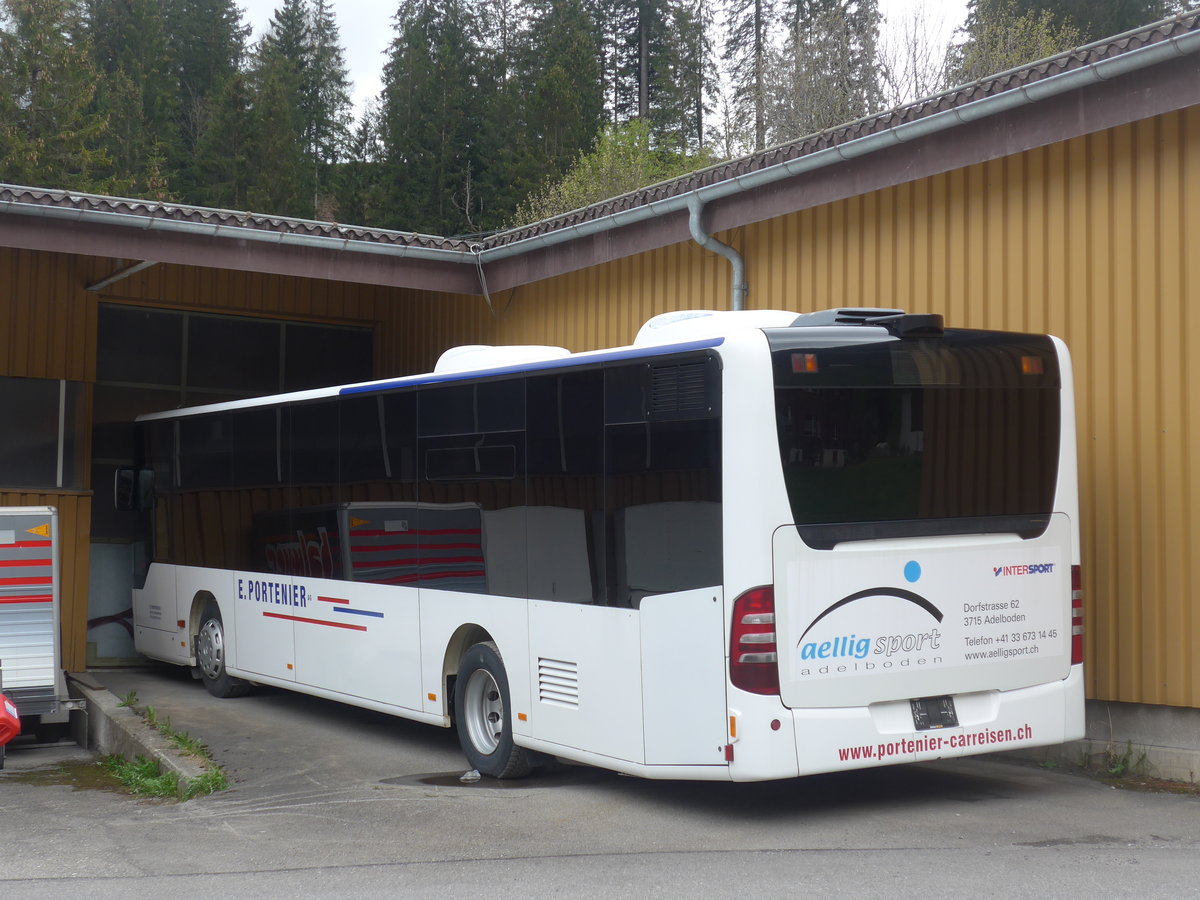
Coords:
332,801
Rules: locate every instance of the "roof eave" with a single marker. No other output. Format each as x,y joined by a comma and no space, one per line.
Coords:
94,232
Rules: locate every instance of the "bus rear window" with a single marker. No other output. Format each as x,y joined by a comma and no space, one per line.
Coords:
953,435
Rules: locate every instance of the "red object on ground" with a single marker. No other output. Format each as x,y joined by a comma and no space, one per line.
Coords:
10,721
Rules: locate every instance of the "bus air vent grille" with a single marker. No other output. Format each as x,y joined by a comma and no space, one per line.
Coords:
558,682
680,388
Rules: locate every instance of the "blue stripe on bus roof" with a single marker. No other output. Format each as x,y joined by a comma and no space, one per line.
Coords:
561,362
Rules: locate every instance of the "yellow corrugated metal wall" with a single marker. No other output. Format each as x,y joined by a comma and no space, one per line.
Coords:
1095,240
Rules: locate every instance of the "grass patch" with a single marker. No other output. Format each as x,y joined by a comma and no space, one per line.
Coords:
142,776
1122,763
183,741
146,778
209,783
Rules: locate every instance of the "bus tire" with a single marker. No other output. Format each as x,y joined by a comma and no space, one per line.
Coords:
210,655
483,715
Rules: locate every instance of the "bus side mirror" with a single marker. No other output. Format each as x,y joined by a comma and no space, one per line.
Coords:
133,489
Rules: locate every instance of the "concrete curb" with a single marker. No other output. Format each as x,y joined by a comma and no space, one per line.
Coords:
115,729
1169,763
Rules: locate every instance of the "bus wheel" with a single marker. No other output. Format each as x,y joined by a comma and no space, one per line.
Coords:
210,655
483,715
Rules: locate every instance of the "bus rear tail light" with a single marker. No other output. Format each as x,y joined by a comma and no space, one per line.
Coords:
753,653
1076,615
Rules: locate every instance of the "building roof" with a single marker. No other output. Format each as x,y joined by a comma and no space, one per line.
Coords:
206,218
763,184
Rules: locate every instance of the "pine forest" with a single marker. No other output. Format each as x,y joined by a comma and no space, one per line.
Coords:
493,112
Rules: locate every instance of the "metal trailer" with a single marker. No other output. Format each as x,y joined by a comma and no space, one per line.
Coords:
31,673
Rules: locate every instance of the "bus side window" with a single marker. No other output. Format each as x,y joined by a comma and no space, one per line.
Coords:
400,436
312,451
663,478
363,458
205,452
565,515
471,461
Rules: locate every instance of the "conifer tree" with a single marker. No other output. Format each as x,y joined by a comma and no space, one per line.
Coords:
301,104
560,71
206,42
50,133
646,49
609,30
689,77
358,182
656,64
503,143
281,79
279,176
128,43
221,163
327,106
747,46
828,70
431,116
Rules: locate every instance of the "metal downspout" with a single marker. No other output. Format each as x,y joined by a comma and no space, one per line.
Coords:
737,287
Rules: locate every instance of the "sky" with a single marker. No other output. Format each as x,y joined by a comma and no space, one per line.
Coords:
366,31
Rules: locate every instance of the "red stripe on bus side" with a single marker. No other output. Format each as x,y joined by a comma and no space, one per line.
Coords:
378,533
430,576
28,598
270,615
16,563
380,548
423,561
49,579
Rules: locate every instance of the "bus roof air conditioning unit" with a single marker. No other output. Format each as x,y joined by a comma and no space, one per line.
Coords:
895,321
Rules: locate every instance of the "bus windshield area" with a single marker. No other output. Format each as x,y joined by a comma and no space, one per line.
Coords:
949,435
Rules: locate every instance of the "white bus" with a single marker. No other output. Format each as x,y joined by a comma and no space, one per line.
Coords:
752,545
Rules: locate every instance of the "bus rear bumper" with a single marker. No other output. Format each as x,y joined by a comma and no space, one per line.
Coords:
989,721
